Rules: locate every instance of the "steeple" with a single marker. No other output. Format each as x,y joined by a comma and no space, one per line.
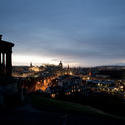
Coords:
31,64
68,67
68,70
60,64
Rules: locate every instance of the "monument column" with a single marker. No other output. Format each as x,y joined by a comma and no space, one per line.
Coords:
0,62
3,64
3,59
0,58
9,63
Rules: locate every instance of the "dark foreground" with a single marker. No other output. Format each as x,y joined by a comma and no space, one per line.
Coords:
27,115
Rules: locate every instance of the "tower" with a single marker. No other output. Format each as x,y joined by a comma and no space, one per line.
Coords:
68,70
60,64
31,65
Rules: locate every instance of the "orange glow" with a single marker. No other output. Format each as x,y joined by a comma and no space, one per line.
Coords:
90,73
43,85
35,69
53,95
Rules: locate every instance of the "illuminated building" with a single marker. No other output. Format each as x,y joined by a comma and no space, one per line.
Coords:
35,69
68,71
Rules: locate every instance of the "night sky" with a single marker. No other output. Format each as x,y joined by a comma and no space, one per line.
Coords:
78,32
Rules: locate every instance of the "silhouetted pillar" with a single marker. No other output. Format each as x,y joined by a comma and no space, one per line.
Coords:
9,63
3,59
0,58
3,63
0,63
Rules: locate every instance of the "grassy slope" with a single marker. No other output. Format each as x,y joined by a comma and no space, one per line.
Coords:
64,106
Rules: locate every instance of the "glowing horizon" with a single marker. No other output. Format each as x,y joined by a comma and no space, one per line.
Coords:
25,60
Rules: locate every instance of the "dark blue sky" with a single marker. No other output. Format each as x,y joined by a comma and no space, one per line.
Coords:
78,32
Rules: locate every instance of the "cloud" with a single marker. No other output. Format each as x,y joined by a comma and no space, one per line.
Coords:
84,32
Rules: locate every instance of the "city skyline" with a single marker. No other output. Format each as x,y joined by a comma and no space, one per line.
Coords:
78,32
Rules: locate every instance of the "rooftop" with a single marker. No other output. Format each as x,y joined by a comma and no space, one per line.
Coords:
5,43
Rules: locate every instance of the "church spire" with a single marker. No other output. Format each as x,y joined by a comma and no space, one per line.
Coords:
31,65
61,64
